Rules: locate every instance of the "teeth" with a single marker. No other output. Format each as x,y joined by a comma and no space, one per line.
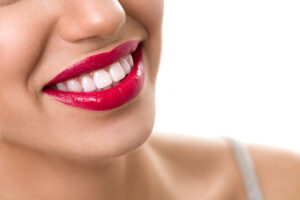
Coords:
102,79
98,80
74,86
62,87
88,84
129,60
125,65
116,72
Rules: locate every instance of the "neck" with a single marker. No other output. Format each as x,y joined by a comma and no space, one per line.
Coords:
25,174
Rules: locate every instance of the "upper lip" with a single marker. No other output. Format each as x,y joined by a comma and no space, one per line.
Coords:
96,62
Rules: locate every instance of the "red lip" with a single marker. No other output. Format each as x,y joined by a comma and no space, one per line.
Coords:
108,99
96,62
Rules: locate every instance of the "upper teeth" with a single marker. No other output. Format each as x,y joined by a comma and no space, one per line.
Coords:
99,80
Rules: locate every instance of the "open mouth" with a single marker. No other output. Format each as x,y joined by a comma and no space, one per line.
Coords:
101,82
98,80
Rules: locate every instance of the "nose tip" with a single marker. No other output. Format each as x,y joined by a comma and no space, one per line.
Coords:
91,18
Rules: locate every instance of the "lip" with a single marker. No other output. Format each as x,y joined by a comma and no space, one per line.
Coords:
108,99
96,62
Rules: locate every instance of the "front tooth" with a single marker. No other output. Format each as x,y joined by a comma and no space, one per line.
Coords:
102,79
116,72
129,60
125,65
74,86
62,87
88,84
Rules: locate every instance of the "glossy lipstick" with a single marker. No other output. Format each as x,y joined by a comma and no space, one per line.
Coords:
108,99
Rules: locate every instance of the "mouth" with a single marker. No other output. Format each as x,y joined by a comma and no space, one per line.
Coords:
101,82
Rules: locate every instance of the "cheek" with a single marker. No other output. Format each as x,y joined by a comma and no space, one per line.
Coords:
22,38
150,14
21,42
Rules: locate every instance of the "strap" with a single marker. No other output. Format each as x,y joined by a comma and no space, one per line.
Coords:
246,166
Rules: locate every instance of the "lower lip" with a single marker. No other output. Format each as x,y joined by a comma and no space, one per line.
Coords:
108,99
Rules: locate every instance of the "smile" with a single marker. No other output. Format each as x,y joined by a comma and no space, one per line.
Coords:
101,82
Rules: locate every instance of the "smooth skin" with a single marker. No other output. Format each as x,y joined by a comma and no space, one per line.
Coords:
52,151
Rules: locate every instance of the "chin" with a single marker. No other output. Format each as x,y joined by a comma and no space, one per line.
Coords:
107,139
121,135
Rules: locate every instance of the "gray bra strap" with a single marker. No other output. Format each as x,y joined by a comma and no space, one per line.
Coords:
246,166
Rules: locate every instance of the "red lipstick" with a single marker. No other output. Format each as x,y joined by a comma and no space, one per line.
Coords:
108,99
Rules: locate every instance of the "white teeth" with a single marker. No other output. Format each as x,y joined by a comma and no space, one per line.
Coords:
88,84
102,79
74,86
129,60
125,65
62,87
116,72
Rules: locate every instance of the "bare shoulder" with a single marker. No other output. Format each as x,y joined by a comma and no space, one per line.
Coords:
278,171
209,166
201,167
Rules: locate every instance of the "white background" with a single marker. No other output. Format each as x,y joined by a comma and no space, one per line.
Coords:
231,68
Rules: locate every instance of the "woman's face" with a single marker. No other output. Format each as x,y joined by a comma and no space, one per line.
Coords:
39,39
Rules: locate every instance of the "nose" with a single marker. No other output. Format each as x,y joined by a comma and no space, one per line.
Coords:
84,19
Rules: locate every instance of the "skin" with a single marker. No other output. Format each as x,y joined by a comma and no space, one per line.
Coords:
52,151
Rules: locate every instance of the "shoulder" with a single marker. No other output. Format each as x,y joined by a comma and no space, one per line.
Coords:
201,167
278,171
211,163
